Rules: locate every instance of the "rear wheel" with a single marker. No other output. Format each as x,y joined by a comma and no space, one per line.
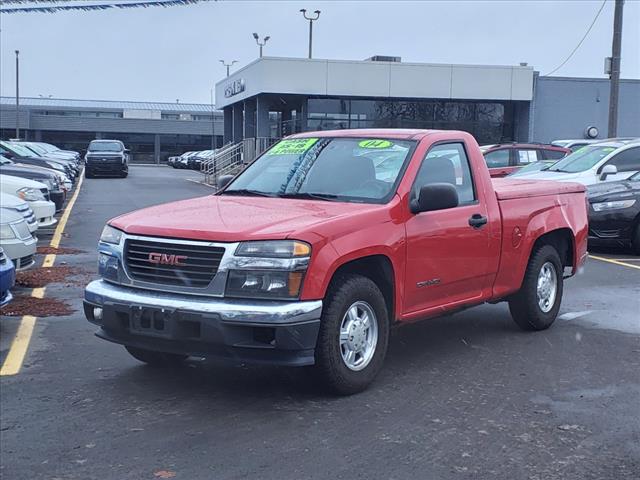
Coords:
354,334
156,359
536,305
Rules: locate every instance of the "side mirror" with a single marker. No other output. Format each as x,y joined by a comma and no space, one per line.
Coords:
608,170
224,180
435,196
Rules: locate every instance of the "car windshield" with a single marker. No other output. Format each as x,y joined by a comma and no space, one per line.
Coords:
19,149
532,167
341,169
36,148
582,159
105,147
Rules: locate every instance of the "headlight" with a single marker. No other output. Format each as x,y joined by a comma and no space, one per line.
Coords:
6,232
110,235
615,205
274,249
30,194
270,284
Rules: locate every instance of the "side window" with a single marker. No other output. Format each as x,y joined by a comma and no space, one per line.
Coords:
525,157
447,163
627,161
497,158
554,154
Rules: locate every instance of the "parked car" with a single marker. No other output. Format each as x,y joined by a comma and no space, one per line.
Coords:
307,257
505,158
183,160
22,154
35,194
600,162
7,278
575,144
40,150
11,202
614,213
53,148
106,158
16,239
194,162
51,178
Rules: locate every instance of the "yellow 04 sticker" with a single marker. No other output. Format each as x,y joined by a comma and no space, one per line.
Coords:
375,144
296,146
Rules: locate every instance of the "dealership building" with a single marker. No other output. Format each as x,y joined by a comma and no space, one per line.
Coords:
273,97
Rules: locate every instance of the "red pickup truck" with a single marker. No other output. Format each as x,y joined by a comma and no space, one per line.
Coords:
314,251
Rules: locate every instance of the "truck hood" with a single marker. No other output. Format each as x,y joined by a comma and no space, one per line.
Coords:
234,218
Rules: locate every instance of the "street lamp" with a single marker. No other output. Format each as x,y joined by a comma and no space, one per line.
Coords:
18,94
311,20
261,44
228,65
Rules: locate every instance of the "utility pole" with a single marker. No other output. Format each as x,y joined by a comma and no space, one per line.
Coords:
615,69
17,94
311,20
228,65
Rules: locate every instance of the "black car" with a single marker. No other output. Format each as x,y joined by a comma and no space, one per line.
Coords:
22,154
614,213
106,157
56,194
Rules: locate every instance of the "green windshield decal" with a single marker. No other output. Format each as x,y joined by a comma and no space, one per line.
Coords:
375,144
292,147
608,149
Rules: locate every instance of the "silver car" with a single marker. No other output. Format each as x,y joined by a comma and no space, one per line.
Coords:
16,239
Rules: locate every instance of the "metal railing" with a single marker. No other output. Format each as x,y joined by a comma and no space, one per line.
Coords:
234,157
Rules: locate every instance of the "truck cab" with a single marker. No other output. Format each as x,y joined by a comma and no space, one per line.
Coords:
312,253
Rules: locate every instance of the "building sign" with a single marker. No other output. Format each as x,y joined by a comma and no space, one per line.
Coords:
234,88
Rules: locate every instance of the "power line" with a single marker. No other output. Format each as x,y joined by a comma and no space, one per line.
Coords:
90,7
580,42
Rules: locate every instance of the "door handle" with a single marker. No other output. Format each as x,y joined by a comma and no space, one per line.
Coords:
477,220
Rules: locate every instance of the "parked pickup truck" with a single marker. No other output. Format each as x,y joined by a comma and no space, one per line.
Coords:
316,249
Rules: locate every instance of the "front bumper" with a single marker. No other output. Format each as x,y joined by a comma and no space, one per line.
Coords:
109,167
44,210
273,332
22,252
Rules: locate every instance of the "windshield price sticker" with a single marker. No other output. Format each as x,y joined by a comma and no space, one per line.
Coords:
375,144
292,147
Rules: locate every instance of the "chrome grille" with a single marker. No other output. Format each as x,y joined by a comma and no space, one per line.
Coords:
197,270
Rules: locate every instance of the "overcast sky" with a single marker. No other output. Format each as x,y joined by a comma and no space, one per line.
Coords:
164,54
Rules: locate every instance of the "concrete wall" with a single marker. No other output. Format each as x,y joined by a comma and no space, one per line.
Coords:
565,107
377,79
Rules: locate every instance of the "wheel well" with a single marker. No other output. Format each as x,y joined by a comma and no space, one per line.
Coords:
377,268
562,241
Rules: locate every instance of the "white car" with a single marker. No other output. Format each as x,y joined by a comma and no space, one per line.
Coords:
575,144
591,164
16,239
34,194
11,202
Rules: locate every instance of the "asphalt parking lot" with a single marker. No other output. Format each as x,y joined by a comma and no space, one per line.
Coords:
468,396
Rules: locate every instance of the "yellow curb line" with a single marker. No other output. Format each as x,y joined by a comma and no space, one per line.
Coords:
18,350
615,262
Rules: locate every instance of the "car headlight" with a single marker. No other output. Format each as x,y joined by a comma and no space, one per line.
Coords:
269,284
30,194
615,205
274,249
111,235
6,232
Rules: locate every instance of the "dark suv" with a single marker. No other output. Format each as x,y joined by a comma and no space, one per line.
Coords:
505,158
106,157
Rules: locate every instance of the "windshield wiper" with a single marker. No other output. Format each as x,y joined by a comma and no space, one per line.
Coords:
247,192
557,170
327,197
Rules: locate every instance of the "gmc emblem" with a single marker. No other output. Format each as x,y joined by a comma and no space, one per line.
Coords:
164,259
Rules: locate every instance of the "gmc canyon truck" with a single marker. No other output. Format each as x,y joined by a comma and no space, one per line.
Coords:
313,252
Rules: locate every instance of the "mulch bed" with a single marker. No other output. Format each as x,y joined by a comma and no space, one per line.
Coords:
36,307
58,251
40,277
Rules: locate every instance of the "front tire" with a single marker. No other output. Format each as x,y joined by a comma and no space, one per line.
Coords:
353,336
536,305
156,359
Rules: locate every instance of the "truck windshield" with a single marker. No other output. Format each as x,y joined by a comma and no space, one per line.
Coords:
105,147
582,159
363,170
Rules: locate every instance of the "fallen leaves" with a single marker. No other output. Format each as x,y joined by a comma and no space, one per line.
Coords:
164,474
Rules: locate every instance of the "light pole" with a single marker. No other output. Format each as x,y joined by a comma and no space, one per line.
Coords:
311,20
261,44
228,65
18,94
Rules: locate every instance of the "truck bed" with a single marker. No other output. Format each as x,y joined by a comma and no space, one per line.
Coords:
508,189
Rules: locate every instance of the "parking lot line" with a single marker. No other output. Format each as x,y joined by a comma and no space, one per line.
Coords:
18,350
616,262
